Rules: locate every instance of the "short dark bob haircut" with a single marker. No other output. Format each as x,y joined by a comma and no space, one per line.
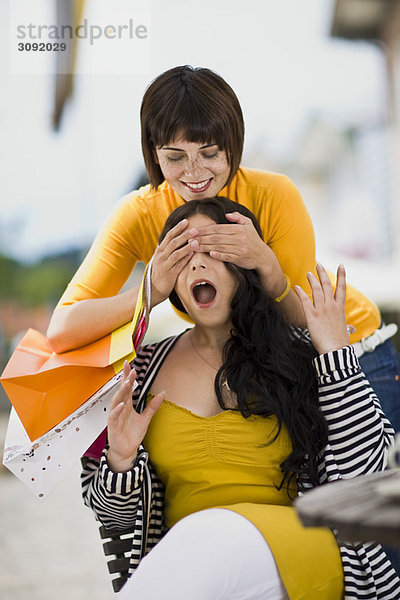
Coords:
194,102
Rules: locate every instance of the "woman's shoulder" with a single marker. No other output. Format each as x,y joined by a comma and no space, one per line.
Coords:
148,361
264,191
142,196
154,352
148,205
263,178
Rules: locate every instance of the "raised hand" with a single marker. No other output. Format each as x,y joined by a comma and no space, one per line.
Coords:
169,259
326,320
126,427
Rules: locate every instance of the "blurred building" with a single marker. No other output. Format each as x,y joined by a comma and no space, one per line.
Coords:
378,22
350,175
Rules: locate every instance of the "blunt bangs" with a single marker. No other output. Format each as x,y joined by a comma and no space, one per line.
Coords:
187,118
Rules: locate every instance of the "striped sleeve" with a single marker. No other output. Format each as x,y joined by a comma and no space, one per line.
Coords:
359,433
368,574
113,497
358,438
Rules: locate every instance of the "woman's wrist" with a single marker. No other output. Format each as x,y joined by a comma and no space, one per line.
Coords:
156,297
285,292
273,280
120,465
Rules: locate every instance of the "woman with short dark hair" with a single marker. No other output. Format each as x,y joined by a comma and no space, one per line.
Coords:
192,140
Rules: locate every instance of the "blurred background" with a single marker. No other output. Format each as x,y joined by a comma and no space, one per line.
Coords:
319,85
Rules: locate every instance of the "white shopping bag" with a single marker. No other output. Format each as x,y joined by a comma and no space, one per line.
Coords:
41,464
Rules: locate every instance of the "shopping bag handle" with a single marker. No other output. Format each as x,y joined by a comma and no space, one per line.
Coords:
140,320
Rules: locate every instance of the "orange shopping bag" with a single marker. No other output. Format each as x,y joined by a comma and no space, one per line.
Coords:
45,387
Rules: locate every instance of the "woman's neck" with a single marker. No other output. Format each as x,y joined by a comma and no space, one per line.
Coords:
211,338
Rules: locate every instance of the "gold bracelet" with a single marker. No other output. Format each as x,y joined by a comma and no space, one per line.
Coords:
286,290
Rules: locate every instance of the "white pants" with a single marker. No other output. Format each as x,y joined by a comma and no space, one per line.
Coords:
213,554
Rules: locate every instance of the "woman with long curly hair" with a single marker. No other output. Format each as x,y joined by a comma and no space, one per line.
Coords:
229,422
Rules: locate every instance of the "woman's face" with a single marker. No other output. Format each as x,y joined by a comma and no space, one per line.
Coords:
205,286
194,171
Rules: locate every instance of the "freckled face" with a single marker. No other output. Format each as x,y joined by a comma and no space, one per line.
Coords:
205,285
194,171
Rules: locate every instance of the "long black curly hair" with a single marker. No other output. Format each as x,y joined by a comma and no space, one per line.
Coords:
266,365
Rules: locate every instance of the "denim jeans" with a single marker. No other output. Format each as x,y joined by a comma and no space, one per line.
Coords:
382,368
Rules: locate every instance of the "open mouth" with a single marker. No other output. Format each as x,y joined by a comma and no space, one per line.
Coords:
203,292
201,186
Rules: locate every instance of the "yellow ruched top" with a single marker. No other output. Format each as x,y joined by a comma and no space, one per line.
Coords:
204,462
226,461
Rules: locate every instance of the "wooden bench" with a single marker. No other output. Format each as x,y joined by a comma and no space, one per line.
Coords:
365,508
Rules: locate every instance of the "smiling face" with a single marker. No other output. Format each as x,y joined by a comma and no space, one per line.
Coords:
205,286
193,170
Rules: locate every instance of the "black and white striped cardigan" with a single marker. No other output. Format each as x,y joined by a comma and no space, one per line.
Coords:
359,436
